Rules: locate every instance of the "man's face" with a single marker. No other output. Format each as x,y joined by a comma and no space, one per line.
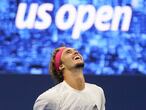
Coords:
71,58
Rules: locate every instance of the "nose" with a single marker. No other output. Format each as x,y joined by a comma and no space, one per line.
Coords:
76,52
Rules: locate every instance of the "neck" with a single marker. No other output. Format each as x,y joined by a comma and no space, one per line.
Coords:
75,79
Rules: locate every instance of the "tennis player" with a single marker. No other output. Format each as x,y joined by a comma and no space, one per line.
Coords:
72,92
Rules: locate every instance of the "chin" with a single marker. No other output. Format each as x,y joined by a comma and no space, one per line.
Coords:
79,65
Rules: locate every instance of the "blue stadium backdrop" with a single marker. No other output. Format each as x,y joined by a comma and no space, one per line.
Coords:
110,34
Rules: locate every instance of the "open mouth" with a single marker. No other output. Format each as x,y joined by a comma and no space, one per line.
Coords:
77,57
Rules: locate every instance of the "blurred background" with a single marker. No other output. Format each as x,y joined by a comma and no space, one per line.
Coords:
110,34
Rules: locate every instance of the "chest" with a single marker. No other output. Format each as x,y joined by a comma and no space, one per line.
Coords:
79,101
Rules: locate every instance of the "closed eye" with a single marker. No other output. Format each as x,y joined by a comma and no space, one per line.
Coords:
68,51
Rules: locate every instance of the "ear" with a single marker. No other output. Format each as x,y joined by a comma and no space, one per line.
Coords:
61,67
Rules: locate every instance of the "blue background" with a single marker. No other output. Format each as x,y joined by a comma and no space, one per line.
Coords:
107,54
28,51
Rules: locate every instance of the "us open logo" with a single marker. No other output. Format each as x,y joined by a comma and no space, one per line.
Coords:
105,18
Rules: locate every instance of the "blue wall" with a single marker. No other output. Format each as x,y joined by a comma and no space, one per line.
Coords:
18,92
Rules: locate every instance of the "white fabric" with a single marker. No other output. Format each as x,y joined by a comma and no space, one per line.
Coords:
63,97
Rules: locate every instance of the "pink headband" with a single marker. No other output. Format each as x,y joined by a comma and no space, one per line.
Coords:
58,58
